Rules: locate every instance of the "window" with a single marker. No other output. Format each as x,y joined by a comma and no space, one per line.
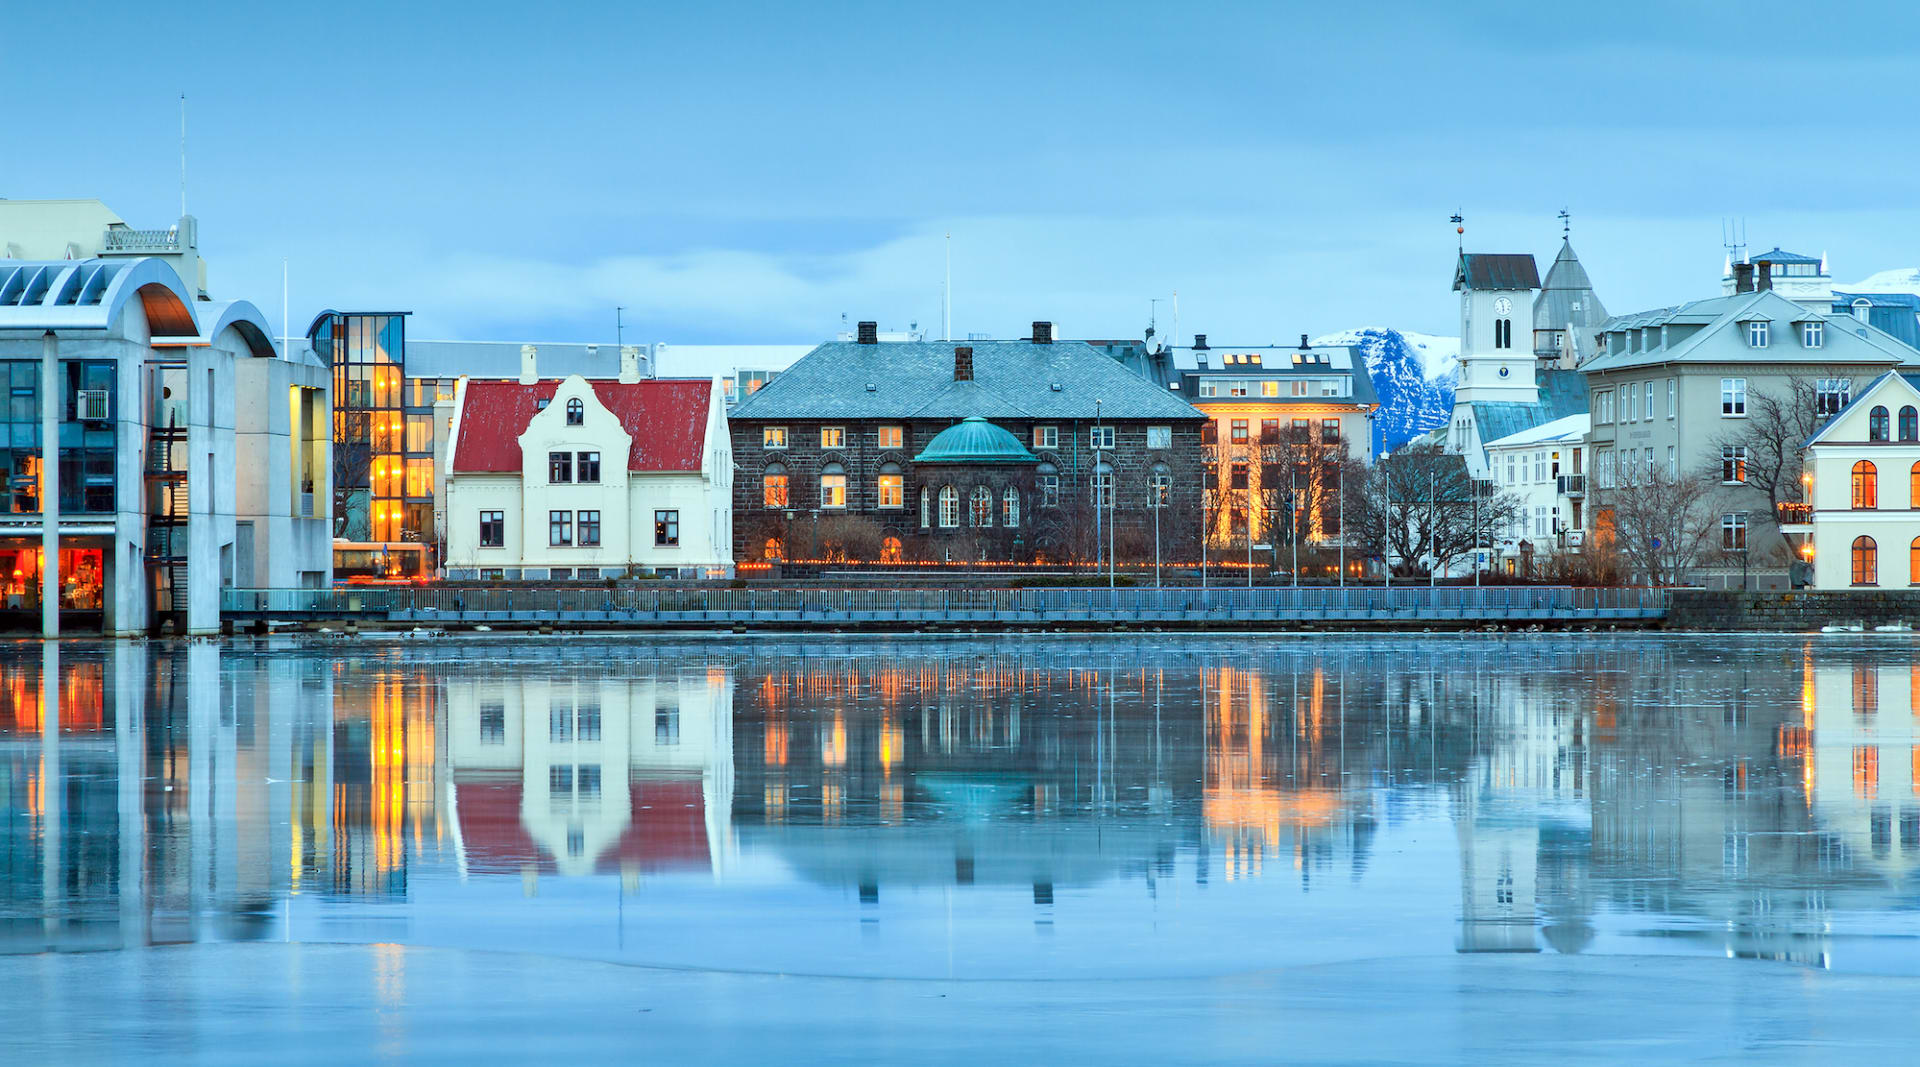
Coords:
1861,308
1237,476
559,467
1298,429
833,486
1010,508
493,724
589,529
1733,397
773,486
773,437
981,510
559,527
833,437
1269,431
588,467
1733,531
1670,398
1512,477
1103,487
1047,480
1866,561
666,529
1757,334
1209,388
1270,387
1733,464
1831,394
1300,387
890,550
774,549
1629,411
1100,437
1160,437
493,529
1909,424
1877,427
1210,432
1162,487
891,437
1673,464
1813,334
1329,431
1046,437
1503,333
1866,486
588,784
925,498
576,412
1239,432
1649,401
949,507
1236,388
892,487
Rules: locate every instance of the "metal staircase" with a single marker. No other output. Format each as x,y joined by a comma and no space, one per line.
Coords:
167,512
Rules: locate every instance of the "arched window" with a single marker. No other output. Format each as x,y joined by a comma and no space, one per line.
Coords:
773,486
1913,486
1866,562
890,550
949,507
1010,508
1861,307
892,487
833,486
773,549
1909,424
576,412
1913,562
982,506
1103,486
1046,482
1877,424
1162,494
925,496
1866,485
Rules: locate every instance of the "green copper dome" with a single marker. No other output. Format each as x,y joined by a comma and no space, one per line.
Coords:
975,440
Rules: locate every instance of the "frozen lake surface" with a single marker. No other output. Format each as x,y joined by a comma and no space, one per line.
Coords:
865,849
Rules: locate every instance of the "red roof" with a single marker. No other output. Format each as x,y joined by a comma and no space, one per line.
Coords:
667,418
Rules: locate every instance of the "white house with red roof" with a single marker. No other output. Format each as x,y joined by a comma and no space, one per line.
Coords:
536,486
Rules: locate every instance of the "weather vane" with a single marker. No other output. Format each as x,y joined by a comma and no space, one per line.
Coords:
1459,228
1566,224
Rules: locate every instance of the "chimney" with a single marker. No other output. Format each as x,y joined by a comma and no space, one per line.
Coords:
1742,278
1303,343
629,363
1199,342
963,363
1762,276
1043,333
869,334
529,365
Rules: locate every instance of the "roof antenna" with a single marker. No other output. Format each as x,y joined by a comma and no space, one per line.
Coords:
1459,230
183,155
1566,225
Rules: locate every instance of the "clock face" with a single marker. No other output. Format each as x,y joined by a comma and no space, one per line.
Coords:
1502,306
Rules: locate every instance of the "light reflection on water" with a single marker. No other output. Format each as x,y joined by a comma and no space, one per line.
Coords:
1034,807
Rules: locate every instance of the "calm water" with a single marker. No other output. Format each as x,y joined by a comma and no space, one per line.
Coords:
1027,807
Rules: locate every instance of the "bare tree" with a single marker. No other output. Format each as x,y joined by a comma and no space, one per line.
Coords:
1660,525
1764,448
1421,510
352,488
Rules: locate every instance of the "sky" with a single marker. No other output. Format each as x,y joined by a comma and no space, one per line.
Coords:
755,172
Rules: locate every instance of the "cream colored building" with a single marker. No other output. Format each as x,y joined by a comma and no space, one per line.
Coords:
1864,466
571,479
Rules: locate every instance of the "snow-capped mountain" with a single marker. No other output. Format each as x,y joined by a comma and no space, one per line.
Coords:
1414,373
1899,280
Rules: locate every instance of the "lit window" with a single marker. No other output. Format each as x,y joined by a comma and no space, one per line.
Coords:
666,529
773,437
833,487
981,500
892,489
891,436
833,437
1046,437
1270,388
1733,464
890,550
773,486
1866,486
1866,561
1236,388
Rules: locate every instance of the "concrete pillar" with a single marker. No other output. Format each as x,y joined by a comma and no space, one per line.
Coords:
529,364
50,485
52,792
130,686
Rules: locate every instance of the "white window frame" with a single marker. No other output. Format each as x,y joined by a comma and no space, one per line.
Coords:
1100,437
1672,397
1160,437
1049,436
1733,398
1759,333
773,437
1813,334
1733,460
833,437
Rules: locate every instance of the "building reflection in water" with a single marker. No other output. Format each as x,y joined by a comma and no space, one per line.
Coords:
163,793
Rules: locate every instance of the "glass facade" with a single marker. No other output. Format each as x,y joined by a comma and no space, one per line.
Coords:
382,430
88,406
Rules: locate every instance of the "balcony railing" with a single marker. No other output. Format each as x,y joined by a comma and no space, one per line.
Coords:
118,239
1793,511
1573,485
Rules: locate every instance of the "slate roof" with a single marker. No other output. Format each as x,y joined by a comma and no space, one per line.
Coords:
1847,340
666,417
914,380
1496,270
1777,256
1562,393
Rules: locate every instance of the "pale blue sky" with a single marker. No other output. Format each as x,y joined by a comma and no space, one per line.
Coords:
749,172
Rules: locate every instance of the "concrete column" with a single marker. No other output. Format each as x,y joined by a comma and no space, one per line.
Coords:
50,485
52,791
131,683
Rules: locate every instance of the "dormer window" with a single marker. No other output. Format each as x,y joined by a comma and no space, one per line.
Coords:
1861,307
1254,359
1813,334
1758,334
576,412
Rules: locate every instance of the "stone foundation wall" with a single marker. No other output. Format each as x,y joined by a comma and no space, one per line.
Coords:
1791,612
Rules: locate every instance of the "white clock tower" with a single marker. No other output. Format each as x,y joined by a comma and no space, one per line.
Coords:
1496,344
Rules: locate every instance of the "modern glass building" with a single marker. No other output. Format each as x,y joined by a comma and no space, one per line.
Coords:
382,446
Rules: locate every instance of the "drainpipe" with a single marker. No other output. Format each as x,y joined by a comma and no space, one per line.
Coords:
49,486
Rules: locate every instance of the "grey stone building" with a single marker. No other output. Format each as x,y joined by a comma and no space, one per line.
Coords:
1014,452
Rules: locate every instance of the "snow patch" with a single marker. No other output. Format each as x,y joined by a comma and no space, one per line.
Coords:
1898,280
